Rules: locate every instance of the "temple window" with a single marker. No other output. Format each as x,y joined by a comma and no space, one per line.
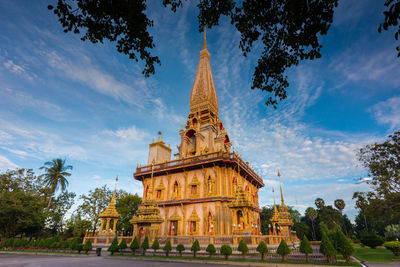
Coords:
209,222
176,189
192,227
193,190
159,194
210,185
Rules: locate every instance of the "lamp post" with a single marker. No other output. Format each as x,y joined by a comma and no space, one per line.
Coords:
234,228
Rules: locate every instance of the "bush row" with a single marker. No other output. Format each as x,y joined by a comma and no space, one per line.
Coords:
225,250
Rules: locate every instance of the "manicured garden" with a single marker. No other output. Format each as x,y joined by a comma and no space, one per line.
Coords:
373,255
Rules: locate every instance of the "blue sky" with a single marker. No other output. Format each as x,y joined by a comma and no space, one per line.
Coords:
61,97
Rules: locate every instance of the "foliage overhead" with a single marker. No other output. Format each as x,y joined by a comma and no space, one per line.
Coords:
288,31
392,19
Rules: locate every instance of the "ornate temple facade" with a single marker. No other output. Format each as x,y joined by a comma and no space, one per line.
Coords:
208,191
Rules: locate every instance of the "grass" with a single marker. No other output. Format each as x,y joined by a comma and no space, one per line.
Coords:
373,255
237,260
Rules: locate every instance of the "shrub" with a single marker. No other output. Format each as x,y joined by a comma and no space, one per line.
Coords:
180,248
32,243
226,250
283,250
122,245
88,246
393,246
195,247
76,244
65,244
371,240
42,243
134,245
167,248
114,246
243,247
262,249
305,247
211,249
327,248
392,232
145,245
344,246
19,243
155,245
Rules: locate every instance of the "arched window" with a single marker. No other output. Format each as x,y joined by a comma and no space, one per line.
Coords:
209,184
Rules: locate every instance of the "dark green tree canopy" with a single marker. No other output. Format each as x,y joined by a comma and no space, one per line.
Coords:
288,31
392,19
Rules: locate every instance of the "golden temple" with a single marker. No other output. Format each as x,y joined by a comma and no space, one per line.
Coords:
208,192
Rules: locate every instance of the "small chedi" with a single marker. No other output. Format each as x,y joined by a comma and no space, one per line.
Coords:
208,192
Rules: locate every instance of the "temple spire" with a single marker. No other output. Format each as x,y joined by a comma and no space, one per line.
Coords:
205,40
280,185
115,189
275,209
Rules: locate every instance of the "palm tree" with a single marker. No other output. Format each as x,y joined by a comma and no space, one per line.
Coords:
320,203
339,204
312,214
55,176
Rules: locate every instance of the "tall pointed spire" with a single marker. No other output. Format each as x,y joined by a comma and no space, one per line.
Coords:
273,192
280,185
205,39
204,96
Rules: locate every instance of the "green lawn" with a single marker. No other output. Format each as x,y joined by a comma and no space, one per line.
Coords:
373,255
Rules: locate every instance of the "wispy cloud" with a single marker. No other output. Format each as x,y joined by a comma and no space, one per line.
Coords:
388,112
6,164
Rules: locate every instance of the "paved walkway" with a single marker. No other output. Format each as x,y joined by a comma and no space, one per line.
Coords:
17,260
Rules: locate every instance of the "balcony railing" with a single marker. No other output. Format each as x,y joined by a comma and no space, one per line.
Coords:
215,156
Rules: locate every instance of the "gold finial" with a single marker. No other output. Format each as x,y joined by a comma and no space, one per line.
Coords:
273,192
152,141
205,40
280,185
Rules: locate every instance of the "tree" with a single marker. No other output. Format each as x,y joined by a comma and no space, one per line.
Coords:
55,213
76,244
305,247
179,248
195,247
114,246
22,205
211,249
87,246
320,203
382,162
371,240
122,245
134,245
155,245
344,246
393,246
326,247
126,205
283,250
392,18
77,226
288,31
243,247
330,217
145,245
392,232
262,249
340,205
226,250
55,176
167,248
312,214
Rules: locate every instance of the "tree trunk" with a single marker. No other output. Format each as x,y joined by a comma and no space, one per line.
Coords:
262,256
194,254
312,223
307,259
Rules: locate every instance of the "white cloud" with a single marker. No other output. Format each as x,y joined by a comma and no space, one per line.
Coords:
18,69
6,164
388,112
129,134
